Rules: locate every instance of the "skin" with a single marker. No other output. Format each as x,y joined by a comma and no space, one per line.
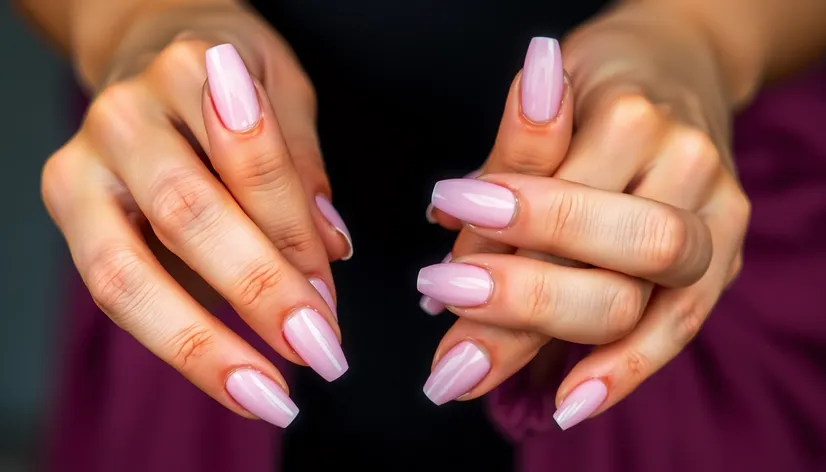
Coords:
678,69
660,122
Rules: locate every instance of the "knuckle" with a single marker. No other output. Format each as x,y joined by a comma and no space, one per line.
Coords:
741,210
624,304
540,300
527,160
118,283
295,238
661,239
689,318
266,170
183,205
188,345
637,365
736,268
55,178
115,115
184,57
699,154
633,113
560,216
256,282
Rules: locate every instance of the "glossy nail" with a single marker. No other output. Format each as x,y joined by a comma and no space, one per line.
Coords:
461,368
542,80
312,338
429,212
262,397
476,202
331,214
461,285
429,305
233,92
581,403
322,290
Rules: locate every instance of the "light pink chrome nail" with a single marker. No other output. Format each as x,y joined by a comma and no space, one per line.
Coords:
476,202
461,285
231,87
461,368
334,218
322,290
429,305
262,397
315,341
428,214
542,80
581,403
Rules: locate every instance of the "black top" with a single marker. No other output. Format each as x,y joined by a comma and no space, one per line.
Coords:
409,93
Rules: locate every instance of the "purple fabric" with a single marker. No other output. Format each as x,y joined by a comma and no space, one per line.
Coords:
748,394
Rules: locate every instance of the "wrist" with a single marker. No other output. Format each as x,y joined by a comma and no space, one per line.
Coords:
735,51
94,47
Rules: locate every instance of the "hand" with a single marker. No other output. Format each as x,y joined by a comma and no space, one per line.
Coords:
254,229
646,124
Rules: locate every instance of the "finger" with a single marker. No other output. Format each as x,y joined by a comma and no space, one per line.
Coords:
535,130
293,100
446,221
429,305
132,288
196,218
252,159
177,75
619,131
589,306
673,318
474,358
686,155
619,232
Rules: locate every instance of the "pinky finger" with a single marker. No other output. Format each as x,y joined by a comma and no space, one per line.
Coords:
671,320
131,287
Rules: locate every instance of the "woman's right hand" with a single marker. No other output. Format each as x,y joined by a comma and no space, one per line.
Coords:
140,205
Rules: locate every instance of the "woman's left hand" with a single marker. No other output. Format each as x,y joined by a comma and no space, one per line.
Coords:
645,192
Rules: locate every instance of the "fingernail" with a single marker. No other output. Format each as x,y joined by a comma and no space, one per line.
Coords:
580,403
430,306
262,397
233,92
322,290
475,201
542,80
331,214
461,285
429,212
464,366
313,339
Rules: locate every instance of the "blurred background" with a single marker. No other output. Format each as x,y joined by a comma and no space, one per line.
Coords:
34,123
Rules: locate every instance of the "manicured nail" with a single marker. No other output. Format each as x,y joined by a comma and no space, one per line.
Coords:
475,201
461,285
429,212
542,80
457,373
262,397
313,339
322,290
331,214
581,403
233,92
429,305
